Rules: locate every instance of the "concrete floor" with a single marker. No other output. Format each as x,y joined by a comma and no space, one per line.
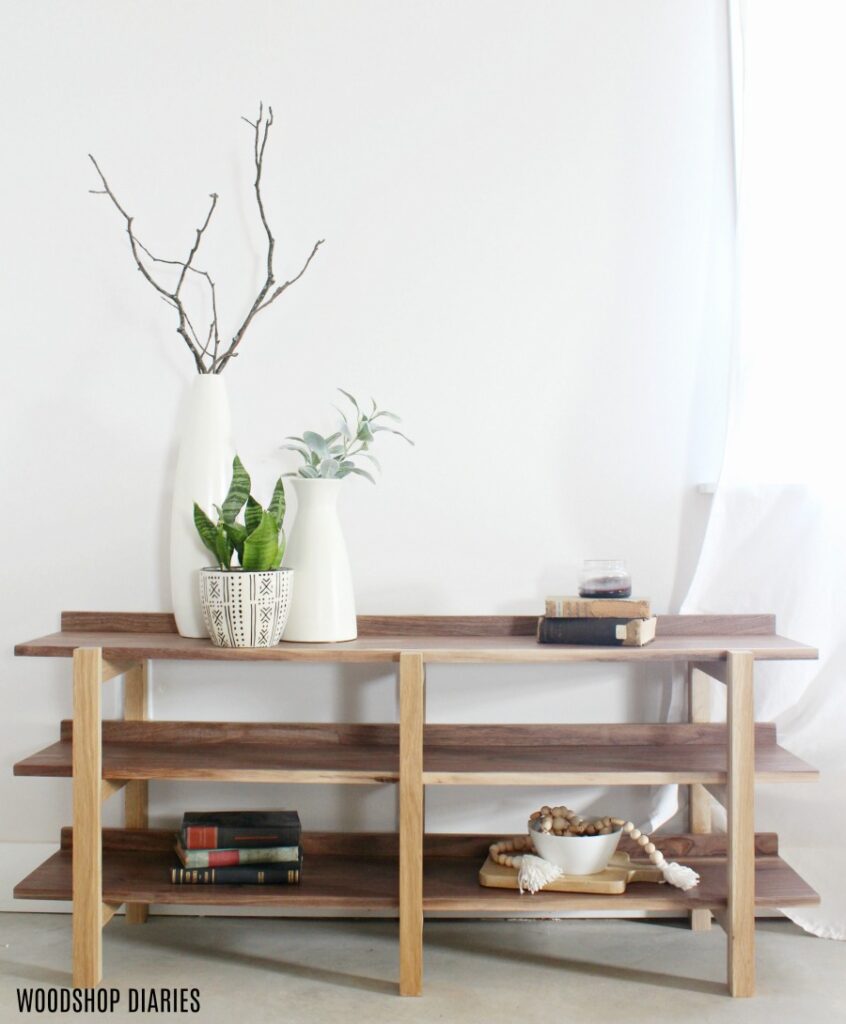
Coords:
326,971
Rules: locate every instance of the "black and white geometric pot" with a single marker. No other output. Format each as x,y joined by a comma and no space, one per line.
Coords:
245,609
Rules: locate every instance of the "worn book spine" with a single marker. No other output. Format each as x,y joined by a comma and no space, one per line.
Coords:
255,874
598,608
230,858
596,632
214,837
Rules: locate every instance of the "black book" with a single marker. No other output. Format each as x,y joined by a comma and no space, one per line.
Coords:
243,874
596,632
214,830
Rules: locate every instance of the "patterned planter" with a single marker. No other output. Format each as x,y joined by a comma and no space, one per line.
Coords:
245,609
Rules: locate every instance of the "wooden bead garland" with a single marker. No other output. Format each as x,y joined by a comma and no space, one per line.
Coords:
520,844
562,821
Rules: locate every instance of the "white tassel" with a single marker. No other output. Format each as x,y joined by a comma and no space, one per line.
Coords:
681,877
535,873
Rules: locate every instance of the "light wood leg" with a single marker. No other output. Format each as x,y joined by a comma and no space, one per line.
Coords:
411,687
87,857
740,915
135,798
699,803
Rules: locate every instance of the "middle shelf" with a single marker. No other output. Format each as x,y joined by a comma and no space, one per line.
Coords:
313,752
358,872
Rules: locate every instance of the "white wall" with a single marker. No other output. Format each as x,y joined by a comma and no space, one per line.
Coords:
526,211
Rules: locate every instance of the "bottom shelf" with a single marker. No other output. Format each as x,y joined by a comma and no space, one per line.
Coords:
359,872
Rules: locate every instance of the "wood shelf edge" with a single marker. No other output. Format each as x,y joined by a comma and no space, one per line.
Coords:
136,861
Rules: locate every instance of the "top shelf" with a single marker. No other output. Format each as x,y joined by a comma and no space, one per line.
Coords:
455,639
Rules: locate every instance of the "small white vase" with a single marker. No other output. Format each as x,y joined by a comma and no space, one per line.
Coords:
245,609
323,608
203,473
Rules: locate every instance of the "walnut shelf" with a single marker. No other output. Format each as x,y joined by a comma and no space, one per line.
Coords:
409,873
455,639
233,752
358,872
496,755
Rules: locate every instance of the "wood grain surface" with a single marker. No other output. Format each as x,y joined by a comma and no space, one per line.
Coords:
443,649
338,874
429,625
452,754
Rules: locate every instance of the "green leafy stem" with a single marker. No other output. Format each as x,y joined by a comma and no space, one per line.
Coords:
333,457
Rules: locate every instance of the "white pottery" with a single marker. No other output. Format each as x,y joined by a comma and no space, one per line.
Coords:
245,609
324,607
203,473
576,855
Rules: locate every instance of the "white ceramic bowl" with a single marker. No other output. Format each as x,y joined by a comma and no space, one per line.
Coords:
576,855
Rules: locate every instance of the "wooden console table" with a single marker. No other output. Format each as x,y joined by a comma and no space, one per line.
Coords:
410,873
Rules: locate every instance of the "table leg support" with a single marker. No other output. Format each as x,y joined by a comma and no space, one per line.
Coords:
135,797
740,916
87,857
699,710
411,702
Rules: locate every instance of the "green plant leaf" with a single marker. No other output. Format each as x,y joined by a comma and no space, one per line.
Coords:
239,490
372,458
328,468
346,394
343,426
391,430
316,442
362,472
365,433
280,552
223,546
237,535
206,529
252,515
277,503
306,454
261,545
309,472
390,415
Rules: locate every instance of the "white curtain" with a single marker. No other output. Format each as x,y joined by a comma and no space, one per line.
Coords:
776,539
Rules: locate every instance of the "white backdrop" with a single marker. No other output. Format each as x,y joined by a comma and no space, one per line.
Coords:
527,218
775,536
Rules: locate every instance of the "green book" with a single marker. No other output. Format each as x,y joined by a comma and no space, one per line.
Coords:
236,856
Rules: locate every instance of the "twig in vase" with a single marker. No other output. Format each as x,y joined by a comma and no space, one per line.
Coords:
208,356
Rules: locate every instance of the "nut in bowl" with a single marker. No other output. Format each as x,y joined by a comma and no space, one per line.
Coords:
578,849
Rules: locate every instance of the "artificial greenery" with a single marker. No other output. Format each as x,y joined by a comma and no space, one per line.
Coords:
333,457
259,541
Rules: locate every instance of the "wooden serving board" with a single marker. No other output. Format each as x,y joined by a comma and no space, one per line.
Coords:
612,880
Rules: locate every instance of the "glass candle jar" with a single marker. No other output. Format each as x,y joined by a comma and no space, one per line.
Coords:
604,577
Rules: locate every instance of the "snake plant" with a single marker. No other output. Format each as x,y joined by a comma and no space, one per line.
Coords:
258,541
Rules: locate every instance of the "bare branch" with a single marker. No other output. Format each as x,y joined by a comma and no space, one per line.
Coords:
198,239
261,131
293,280
208,357
184,323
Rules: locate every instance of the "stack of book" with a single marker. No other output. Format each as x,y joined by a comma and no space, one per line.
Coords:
597,622
238,848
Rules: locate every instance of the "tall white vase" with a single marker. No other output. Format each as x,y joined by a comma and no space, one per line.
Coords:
323,603
203,473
